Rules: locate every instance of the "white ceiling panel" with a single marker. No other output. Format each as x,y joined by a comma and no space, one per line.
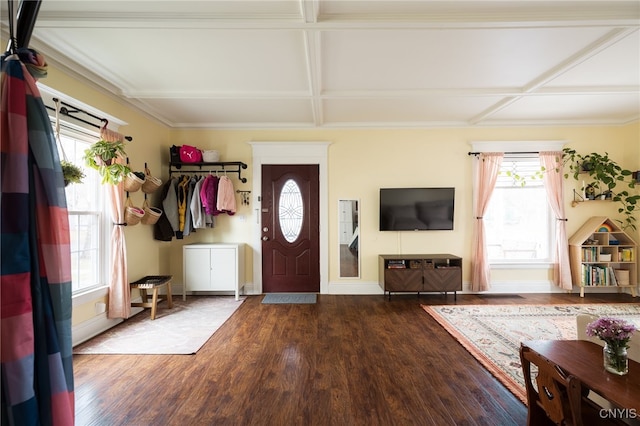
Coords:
571,108
326,63
183,8
413,111
235,112
484,58
613,66
165,62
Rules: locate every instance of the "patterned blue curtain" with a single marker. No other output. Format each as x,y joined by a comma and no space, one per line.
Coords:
35,286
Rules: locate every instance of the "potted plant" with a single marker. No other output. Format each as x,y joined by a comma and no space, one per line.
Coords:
102,157
71,173
606,175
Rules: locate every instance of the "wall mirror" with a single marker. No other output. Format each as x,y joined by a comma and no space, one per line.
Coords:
348,211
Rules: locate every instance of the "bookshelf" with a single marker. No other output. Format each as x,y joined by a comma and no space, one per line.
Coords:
603,255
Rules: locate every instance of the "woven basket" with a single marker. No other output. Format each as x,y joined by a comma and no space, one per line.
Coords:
151,183
151,214
622,276
210,156
132,215
132,183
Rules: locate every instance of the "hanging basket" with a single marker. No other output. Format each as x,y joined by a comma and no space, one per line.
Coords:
134,181
151,184
151,214
132,215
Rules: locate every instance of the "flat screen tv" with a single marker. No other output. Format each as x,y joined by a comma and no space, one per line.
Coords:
416,209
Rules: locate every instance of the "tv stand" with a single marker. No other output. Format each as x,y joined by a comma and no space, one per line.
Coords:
420,273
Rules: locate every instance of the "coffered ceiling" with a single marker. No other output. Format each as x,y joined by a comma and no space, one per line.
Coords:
354,64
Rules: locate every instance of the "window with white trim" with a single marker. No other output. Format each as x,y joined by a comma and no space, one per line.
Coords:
518,221
88,217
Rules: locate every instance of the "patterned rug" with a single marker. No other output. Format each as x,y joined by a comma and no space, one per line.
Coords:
181,330
492,333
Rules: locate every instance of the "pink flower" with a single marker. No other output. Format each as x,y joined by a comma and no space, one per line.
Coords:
612,330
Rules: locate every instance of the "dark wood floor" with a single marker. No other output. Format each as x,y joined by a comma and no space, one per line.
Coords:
347,360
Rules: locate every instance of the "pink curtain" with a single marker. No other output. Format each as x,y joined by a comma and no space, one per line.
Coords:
119,291
553,183
486,175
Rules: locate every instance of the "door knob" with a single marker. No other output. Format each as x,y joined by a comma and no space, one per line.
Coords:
265,238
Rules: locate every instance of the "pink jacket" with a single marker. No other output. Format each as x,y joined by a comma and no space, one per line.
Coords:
208,194
226,196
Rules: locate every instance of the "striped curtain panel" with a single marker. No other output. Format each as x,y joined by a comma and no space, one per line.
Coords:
35,286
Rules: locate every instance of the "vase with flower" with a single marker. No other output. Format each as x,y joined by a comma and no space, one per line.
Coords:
616,334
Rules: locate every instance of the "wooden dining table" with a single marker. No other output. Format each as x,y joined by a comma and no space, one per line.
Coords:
584,360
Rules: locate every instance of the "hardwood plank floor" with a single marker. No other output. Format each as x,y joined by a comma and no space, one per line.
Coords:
347,360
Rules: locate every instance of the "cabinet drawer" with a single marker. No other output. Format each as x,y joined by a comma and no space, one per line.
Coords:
443,279
403,280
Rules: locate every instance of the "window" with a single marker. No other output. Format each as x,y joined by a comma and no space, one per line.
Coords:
518,221
87,217
290,207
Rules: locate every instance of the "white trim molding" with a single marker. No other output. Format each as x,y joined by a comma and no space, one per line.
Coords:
516,146
312,152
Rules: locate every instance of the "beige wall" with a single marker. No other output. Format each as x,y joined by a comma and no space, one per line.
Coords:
362,161
359,163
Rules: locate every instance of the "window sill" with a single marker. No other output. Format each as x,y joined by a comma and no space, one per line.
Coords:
521,265
89,295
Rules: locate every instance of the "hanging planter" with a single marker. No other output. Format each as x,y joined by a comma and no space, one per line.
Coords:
134,181
71,173
102,156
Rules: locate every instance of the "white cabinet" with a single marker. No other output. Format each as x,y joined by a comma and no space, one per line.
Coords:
213,267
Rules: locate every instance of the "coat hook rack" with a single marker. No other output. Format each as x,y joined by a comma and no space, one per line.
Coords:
226,167
245,196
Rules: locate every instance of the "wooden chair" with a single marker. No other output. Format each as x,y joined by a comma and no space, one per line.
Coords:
556,398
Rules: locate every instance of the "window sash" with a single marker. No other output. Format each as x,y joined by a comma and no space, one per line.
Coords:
88,218
519,207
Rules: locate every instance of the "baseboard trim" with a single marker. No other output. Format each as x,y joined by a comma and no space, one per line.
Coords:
99,324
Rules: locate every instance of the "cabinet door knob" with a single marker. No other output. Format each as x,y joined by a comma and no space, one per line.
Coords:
265,238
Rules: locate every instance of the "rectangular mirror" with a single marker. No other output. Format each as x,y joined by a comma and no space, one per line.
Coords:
348,211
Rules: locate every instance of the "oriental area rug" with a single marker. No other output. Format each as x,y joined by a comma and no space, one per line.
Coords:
493,333
181,330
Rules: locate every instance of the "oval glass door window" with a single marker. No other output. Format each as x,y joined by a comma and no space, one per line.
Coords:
290,208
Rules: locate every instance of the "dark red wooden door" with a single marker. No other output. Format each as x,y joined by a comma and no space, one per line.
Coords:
290,206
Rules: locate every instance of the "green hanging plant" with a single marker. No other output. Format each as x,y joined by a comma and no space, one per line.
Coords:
71,173
102,157
606,175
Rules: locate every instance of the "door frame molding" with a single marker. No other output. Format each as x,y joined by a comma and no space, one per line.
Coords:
312,152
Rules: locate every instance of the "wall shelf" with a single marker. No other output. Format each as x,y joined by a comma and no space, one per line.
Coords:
218,167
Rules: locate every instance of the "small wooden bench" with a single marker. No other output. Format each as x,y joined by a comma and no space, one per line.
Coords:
155,283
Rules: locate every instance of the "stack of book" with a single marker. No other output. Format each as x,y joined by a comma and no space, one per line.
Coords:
396,264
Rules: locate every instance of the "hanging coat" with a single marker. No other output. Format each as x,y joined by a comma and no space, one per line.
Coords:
208,195
226,200
170,205
183,190
162,230
197,211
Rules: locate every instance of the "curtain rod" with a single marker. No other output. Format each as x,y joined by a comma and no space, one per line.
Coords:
512,152
68,110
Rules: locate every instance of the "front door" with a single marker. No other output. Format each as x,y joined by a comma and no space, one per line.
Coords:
290,206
